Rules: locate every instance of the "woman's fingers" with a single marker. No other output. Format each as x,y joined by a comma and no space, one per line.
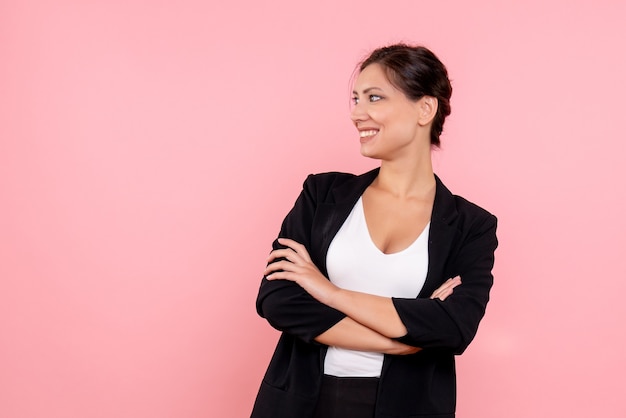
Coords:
296,246
446,289
282,275
295,252
286,253
283,265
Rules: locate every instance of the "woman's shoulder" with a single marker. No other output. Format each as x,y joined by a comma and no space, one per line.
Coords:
336,186
465,208
320,185
334,179
329,177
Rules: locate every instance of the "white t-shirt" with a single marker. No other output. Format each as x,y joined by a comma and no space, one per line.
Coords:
355,263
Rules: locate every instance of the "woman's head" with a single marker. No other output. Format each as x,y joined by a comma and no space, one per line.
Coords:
417,72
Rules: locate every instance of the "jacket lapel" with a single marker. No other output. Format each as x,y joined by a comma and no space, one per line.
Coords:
331,214
441,237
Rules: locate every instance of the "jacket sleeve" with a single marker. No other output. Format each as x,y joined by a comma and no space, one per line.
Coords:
452,324
285,305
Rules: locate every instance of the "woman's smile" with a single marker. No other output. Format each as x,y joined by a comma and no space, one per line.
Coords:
366,135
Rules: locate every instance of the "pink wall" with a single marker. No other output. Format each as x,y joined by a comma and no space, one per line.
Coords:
149,150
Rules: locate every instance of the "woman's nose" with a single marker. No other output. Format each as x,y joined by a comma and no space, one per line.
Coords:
358,113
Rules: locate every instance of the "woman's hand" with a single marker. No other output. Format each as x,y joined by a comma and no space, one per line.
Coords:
298,267
446,289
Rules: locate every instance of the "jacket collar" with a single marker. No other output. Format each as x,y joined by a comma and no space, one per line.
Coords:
444,207
351,190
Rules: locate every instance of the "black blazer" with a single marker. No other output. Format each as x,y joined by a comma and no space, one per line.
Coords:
462,242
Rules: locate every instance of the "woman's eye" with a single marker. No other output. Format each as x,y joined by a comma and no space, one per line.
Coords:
355,100
374,98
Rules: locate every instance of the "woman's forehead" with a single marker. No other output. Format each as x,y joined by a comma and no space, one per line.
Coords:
372,76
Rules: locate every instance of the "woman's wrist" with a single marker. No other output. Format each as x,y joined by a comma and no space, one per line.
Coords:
398,348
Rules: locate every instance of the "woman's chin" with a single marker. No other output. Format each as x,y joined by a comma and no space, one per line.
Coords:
369,153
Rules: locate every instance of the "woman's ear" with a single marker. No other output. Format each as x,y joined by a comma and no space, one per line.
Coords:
427,109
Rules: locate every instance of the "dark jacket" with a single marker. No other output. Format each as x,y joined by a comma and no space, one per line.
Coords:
462,242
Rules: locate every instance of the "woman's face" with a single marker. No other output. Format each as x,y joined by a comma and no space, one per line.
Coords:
388,122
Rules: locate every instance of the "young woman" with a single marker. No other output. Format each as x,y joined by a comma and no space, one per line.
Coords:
377,281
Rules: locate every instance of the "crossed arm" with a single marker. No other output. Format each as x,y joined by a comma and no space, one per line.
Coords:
371,323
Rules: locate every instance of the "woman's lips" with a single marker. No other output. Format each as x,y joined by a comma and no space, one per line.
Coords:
367,135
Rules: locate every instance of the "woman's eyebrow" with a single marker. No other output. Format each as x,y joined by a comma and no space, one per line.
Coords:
367,90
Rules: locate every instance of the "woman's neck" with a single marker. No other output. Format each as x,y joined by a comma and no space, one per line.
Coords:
406,178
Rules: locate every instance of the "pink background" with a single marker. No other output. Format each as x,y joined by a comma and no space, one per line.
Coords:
150,149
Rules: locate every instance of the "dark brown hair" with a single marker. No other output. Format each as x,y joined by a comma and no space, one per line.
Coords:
417,72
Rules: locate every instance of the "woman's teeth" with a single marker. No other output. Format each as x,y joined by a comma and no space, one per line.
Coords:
365,134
